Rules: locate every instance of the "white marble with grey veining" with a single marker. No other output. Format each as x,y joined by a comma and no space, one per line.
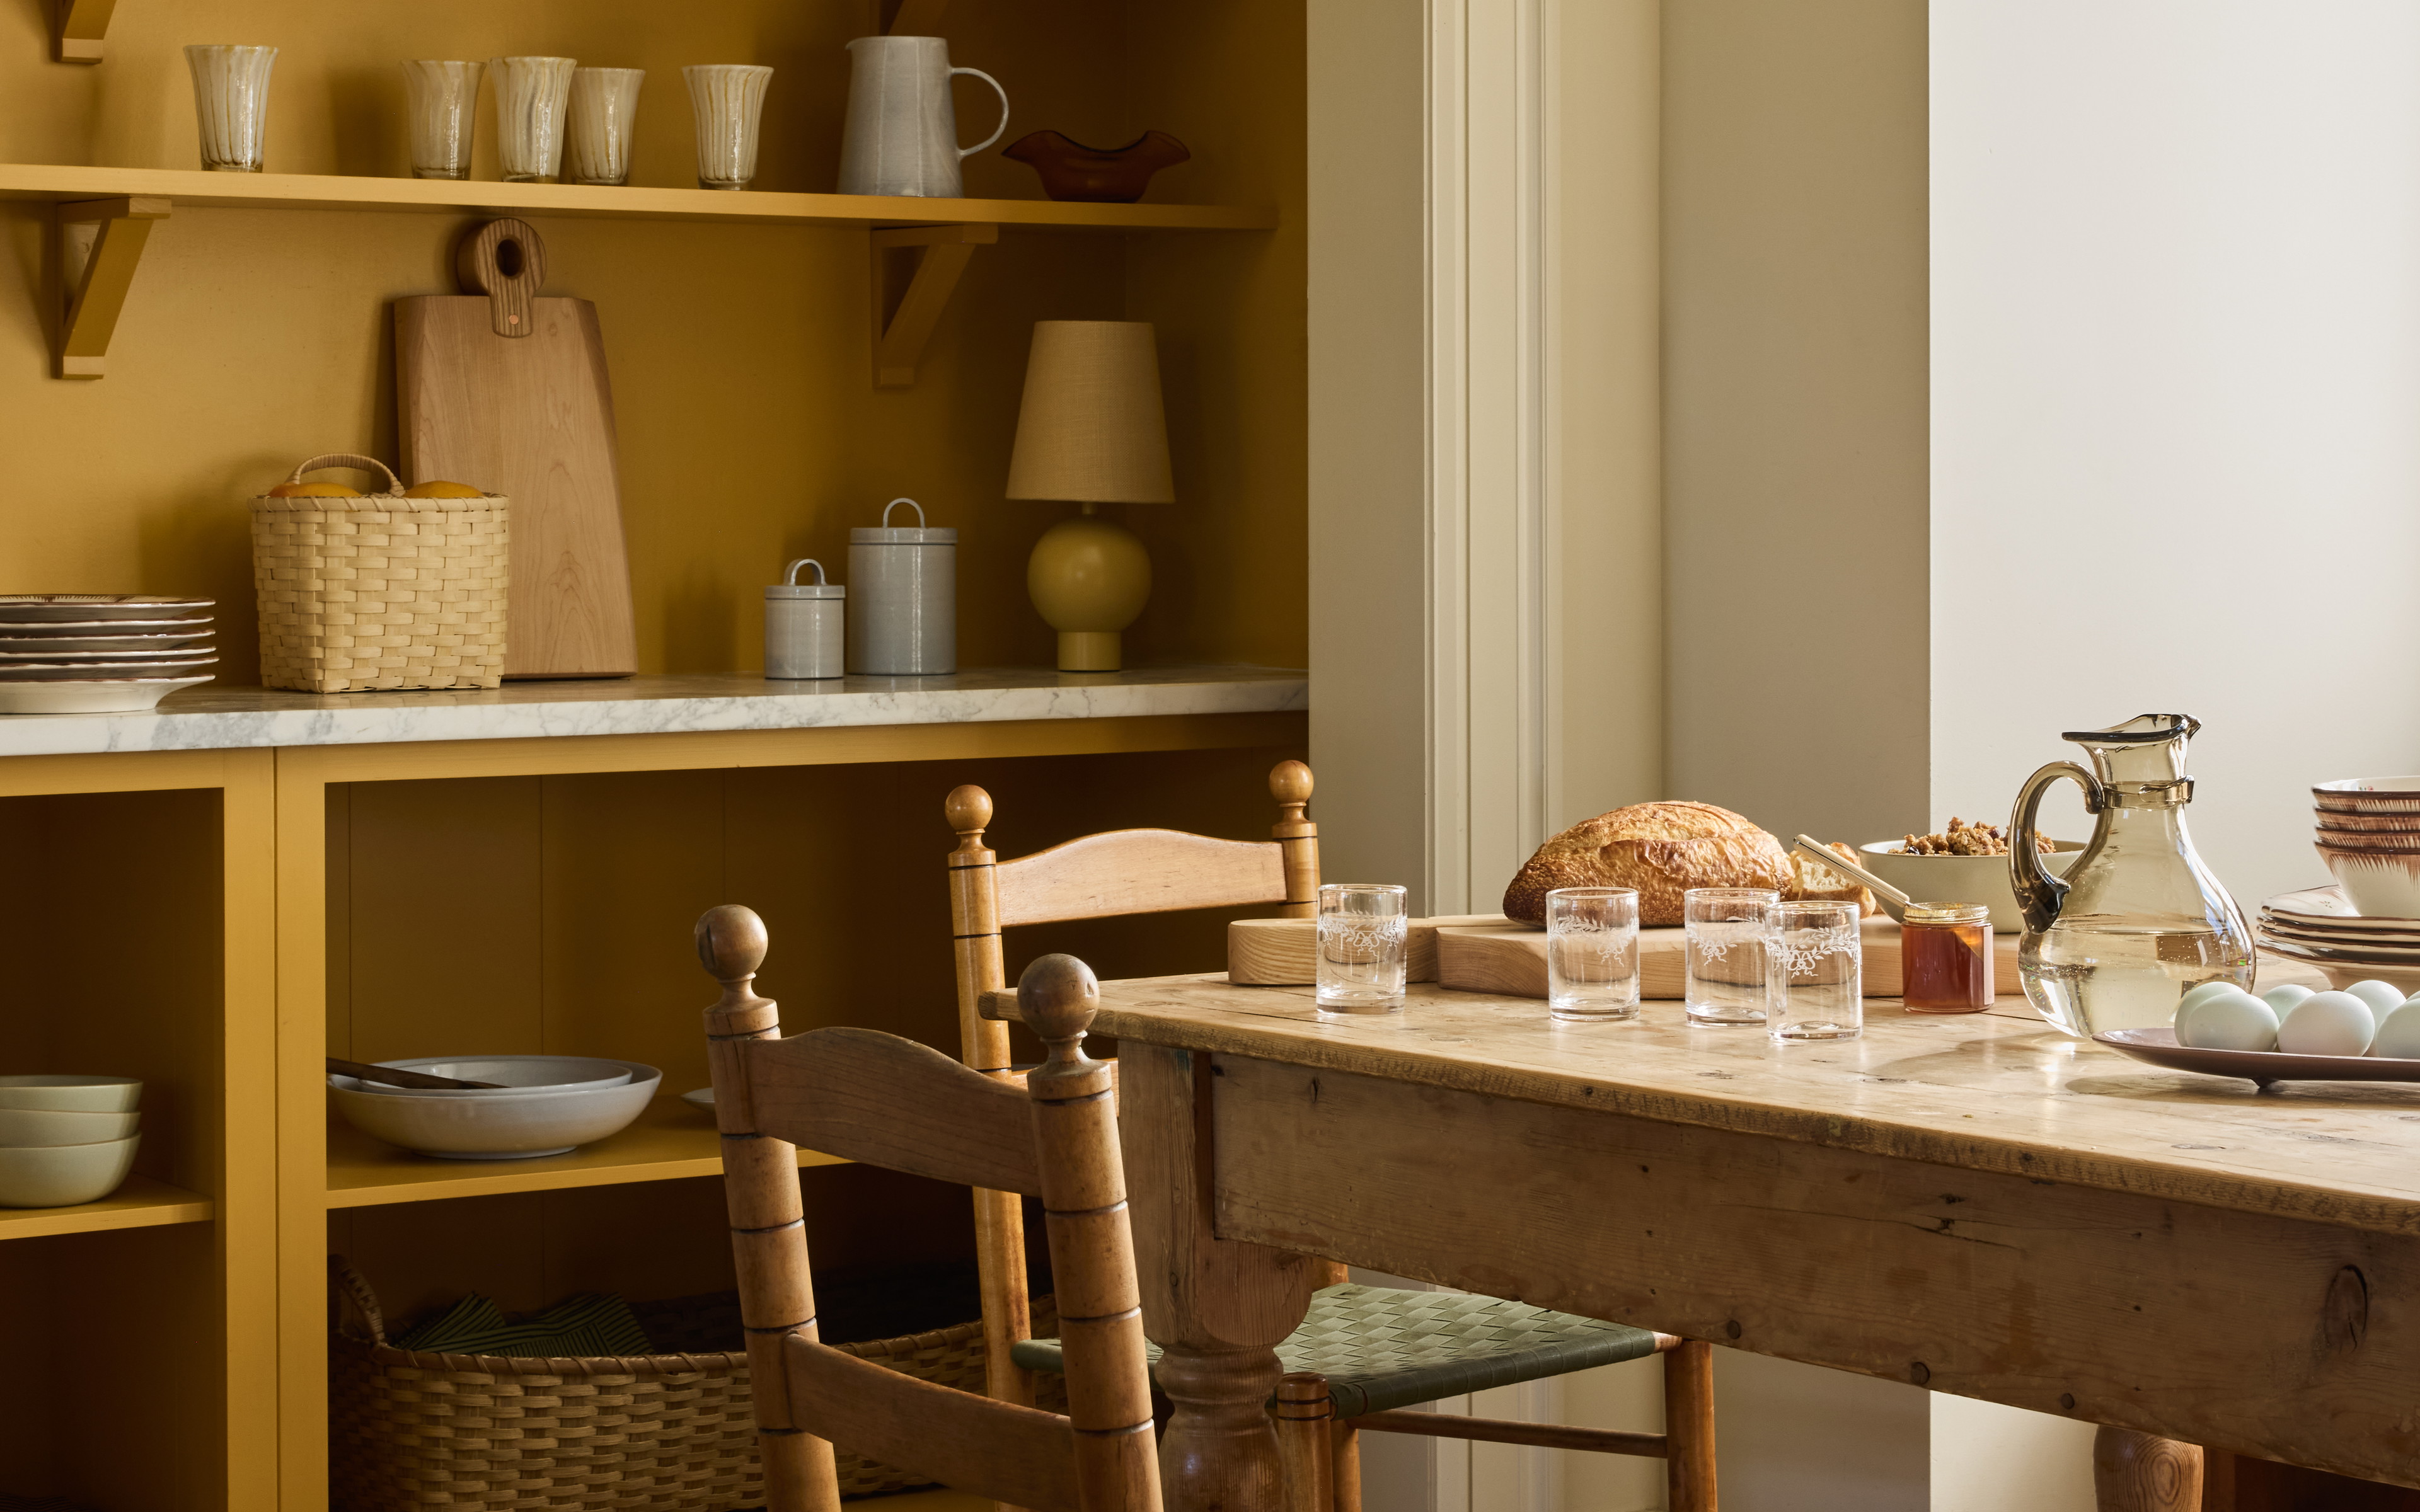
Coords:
215,717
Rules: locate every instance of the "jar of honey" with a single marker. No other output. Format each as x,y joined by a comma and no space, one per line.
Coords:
1945,951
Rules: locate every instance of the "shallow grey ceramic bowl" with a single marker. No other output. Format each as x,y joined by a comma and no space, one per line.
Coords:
517,1073
517,1126
71,1094
1961,879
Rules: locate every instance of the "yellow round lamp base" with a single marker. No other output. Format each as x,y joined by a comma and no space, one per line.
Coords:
1090,577
1089,651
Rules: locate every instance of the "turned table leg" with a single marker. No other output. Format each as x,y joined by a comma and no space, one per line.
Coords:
1218,1307
2136,1472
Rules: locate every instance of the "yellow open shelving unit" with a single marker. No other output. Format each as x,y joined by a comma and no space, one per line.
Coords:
218,920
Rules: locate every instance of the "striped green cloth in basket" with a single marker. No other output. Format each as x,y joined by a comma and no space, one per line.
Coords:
590,1326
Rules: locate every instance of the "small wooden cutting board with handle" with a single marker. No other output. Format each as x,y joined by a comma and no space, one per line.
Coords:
507,392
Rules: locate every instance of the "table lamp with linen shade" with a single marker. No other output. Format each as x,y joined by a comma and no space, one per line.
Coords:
1090,431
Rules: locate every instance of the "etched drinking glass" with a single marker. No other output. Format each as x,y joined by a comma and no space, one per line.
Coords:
231,103
1592,953
1723,979
1363,934
1814,975
533,97
443,98
728,100
604,113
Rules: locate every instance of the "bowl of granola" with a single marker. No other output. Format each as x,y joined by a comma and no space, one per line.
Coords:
1966,863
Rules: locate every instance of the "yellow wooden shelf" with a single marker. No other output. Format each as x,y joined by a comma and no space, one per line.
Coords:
63,183
669,1141
141,1203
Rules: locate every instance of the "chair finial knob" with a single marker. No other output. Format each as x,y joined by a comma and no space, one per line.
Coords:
1057,996
1289,783
967,809
731,942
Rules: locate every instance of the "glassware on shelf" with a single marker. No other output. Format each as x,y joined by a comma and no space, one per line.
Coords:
728,100
1364,936
2138,920
604,109
1723,964
231,103
443,100
1592,953
532,97
1814,970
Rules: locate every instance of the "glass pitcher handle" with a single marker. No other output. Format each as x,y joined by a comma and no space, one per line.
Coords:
2039,893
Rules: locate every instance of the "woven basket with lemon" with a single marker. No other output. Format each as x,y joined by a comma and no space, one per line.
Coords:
400,589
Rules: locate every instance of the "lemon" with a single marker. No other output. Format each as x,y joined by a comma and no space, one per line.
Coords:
314,491
443,490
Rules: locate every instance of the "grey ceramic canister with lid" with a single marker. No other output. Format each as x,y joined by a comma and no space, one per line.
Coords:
903,616
802,624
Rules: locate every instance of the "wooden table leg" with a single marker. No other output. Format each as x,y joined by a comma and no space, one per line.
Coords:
2136,1472
1218,1307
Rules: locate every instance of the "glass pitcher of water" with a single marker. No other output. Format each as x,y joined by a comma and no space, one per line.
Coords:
2138,921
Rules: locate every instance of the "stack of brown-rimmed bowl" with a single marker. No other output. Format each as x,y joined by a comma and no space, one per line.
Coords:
100,653
2369,836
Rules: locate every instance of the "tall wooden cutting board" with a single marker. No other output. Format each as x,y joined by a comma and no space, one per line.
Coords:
529,416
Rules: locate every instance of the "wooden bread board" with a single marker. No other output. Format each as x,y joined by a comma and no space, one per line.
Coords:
1509,959
1490,953
1284,952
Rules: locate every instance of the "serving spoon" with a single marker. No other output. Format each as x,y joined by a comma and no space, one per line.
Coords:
396,1076
1816,851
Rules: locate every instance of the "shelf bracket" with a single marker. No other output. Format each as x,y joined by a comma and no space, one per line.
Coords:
100,242
77,28
917,18
904,319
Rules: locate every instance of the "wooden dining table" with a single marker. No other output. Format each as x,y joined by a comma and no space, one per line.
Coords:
1976,1204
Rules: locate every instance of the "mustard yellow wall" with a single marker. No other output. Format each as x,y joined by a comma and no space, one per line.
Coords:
109,919
750,432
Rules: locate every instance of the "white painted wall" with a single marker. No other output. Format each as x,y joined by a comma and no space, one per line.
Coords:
2176,375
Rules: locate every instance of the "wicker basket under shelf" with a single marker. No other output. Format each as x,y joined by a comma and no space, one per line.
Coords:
664,1433
380,592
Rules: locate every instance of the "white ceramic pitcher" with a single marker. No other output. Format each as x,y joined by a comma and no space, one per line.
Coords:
902,136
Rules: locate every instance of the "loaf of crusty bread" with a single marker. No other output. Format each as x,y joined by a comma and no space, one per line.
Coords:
1662,850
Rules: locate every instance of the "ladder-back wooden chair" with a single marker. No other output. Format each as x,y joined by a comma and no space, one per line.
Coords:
1098,876
1363,1353
877,1098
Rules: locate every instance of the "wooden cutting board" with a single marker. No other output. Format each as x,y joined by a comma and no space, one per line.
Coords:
528,415
1490,953
1284,952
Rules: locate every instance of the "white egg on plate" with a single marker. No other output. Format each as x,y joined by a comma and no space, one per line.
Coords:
2193,998
2327,1024
2383,997
2399,1032
2285,995
2231,1021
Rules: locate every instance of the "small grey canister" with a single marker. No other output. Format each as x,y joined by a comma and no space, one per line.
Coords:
902,620
802,624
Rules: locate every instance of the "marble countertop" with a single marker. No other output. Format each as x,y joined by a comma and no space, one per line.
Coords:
217,718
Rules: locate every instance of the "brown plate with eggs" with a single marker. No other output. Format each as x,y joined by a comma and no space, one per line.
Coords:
2160,1048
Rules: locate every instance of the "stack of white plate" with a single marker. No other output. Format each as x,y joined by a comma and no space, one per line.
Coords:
100,653
2320,926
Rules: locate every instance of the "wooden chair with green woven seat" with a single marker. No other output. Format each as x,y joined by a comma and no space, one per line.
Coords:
1369,1351
1365,1353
